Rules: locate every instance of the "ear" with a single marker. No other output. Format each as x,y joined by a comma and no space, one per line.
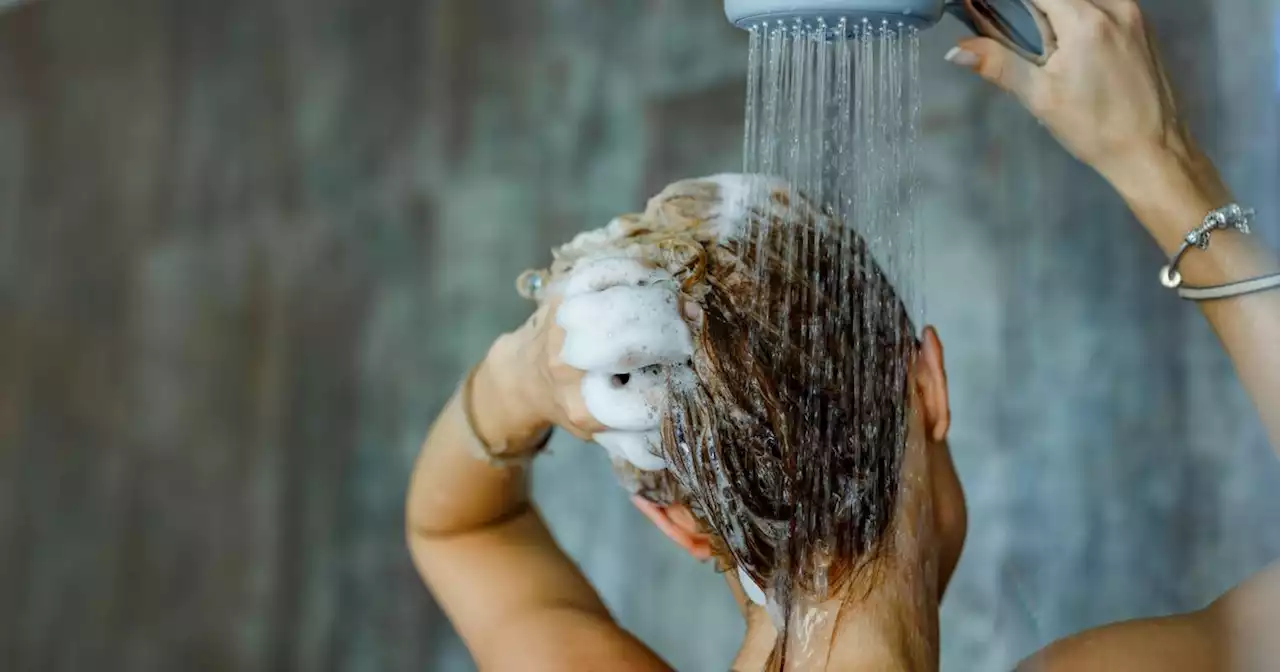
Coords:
678,523
931,383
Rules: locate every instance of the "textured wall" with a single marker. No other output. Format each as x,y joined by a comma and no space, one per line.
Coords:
247,247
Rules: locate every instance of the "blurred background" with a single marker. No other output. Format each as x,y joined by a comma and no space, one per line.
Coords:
247,248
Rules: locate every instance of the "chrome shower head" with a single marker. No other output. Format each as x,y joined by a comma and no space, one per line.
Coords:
1016,23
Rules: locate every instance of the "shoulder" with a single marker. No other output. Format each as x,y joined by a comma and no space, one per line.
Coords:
1172,644
568,640
1236,632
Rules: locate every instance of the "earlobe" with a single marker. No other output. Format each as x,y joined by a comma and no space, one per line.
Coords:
932,379
679,525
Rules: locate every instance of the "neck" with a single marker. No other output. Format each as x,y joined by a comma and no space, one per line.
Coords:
888,620
893,628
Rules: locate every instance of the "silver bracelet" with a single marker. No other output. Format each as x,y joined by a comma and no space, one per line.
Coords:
1262,284
1230,217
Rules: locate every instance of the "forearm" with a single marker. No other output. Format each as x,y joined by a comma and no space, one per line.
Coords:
453,492
1171,192
489,560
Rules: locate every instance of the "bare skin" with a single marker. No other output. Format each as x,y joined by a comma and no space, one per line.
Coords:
1106,97
521,604
484,551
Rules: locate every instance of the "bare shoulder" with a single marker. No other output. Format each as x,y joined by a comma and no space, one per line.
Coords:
1236,633
570,640
1170,644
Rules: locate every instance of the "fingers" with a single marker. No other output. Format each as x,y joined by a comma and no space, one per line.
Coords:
623,328
622,325
627,402
578,417
642,449
631,401
602,274
998,65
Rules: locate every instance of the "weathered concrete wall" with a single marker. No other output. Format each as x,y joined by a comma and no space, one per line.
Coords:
247,247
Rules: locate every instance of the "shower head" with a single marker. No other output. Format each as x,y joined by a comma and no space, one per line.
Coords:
1018,24
749,13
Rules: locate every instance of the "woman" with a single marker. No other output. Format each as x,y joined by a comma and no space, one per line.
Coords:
521,604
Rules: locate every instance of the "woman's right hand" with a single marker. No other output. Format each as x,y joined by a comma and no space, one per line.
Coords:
530,385
1104,94
594,360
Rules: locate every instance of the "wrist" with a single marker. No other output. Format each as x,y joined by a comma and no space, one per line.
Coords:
503,414
1170,190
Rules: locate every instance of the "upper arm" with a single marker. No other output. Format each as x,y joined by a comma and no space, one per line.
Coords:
1168,644
1235,633
562,640
519,602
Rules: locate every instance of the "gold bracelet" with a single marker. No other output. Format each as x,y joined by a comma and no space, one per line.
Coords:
494,456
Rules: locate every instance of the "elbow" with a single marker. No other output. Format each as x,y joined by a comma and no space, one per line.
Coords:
420,530
414,535
420,527
411,534
426,517
424,542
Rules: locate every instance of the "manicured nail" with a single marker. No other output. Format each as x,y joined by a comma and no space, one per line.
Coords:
960,57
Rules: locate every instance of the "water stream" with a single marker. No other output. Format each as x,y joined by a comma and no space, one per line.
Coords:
833,111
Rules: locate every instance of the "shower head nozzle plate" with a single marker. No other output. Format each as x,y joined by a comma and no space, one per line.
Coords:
747,14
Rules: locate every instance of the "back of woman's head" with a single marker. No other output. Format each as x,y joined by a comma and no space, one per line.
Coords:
786,441
787,444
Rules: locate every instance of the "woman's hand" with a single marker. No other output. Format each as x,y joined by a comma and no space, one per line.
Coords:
524,386
594,359
1104,93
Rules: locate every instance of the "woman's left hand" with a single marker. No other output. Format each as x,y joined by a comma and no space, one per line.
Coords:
1104,93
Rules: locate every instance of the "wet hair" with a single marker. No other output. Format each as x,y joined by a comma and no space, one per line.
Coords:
788,444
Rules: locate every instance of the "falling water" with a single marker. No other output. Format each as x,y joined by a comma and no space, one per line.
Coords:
833,111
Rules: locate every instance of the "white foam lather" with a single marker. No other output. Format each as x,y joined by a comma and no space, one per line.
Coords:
623,327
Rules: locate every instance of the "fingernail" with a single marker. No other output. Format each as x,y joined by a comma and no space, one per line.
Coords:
963,58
